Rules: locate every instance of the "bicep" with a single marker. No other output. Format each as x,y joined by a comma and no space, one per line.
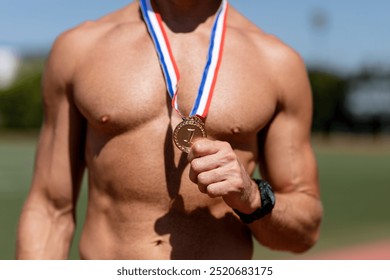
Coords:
59,160
286,155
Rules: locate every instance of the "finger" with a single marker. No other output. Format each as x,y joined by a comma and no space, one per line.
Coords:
205,178
218,189
202,147
210,177
193,175
203,164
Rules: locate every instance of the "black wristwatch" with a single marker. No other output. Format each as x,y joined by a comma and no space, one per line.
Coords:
267,203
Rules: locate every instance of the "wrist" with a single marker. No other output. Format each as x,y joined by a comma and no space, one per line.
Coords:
265,203
254,199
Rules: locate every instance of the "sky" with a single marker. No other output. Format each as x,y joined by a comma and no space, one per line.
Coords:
342,34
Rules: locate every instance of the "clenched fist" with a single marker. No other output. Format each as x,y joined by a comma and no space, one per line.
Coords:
217,171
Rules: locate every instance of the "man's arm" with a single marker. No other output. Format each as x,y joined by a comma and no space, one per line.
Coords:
47,221
286,161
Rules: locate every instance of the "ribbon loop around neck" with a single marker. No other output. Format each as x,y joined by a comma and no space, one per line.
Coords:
168,64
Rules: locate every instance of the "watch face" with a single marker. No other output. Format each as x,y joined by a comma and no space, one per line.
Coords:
267,189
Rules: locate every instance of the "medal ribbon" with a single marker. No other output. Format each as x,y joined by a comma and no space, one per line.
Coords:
169,67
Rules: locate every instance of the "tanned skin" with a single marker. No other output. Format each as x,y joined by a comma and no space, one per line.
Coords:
107,110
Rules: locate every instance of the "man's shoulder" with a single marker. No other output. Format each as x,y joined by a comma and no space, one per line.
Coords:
283,64
267,46
88,33
72,46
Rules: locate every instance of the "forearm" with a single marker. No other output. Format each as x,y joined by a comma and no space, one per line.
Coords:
293,224
44,233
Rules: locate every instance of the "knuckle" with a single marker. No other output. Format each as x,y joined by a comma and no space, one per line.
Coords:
225,145
237,183
202,178
236,168
196,164
196,147
211,192
230,156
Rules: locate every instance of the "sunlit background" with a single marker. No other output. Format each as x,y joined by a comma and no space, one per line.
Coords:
346,46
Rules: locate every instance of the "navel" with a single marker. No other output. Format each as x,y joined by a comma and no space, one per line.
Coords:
158,242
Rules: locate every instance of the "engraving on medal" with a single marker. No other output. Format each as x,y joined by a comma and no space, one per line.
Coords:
191,131
187,132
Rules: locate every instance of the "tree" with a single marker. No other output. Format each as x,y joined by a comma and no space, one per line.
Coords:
20,104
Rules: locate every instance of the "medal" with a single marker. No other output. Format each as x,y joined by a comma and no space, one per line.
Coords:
188,131
191,127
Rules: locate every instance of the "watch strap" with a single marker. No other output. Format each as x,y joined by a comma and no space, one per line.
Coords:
267,198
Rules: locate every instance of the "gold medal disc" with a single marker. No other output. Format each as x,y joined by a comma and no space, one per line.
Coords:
187,132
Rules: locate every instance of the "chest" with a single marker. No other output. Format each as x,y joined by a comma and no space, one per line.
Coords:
121,87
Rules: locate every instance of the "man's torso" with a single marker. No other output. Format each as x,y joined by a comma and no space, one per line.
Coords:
142,204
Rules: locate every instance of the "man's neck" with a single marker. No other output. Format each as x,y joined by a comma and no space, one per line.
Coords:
185,15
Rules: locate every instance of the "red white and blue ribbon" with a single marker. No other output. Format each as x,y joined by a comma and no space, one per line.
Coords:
171,72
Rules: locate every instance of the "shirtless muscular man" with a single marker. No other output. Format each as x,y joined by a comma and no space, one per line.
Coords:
107,110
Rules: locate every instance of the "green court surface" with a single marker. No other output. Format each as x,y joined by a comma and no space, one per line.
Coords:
354,178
